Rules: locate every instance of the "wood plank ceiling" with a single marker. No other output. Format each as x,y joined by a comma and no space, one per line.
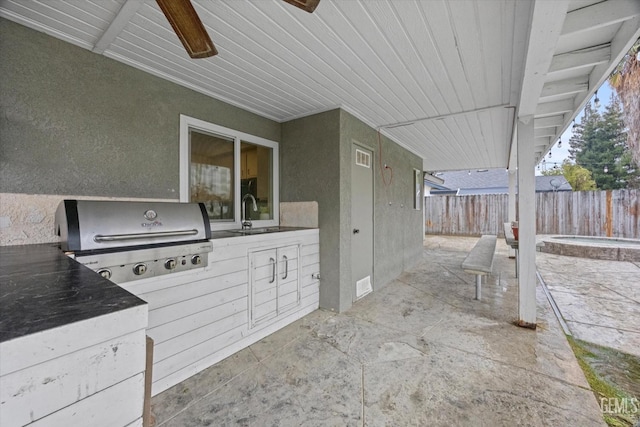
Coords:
441,78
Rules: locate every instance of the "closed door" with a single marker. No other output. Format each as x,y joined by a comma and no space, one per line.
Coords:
361,221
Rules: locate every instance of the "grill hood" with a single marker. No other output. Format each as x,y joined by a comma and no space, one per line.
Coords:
91,225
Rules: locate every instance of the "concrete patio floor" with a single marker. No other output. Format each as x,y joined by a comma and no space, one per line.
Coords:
420,351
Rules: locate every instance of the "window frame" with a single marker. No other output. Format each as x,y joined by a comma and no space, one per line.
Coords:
187,124
418,188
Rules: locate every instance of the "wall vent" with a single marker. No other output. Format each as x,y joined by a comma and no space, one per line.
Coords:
363,287
363,159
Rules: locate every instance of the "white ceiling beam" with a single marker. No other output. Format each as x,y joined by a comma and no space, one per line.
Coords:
554,108
565,87
126,12
620,45
546,25
544,132
581,58
600,15
628,33
545,122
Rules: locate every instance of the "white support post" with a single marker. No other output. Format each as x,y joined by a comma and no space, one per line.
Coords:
511,216
527,224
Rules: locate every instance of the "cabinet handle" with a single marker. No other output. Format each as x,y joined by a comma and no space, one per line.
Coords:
286,267
273,271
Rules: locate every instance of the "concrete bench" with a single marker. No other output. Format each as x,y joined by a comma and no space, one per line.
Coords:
480,260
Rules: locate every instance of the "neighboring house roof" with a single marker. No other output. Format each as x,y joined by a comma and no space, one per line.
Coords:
552,183
438,187
492,181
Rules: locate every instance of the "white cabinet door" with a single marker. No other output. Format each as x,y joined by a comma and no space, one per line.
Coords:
274,282
288,278
263,285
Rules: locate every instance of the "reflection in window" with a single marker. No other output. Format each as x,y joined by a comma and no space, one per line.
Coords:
219,166
211,174
256,165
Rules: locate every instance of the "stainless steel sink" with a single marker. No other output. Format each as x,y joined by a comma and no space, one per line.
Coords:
251,231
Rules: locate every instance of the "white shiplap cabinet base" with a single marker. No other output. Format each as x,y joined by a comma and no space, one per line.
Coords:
87,373
198,318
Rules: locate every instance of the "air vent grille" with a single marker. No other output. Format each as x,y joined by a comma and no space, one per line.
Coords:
363,158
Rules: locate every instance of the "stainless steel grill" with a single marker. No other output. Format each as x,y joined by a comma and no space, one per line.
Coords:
126,241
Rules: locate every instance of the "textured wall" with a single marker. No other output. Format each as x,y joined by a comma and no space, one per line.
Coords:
320,148
74,122
310,158
397,239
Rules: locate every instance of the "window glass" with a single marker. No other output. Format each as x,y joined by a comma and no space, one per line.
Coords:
418,183
211,174
220,166
256,177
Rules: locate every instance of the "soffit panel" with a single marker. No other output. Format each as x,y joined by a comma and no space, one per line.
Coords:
384,61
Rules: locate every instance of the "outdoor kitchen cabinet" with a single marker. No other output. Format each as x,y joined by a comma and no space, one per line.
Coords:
274,283
200,317
249,164
72,344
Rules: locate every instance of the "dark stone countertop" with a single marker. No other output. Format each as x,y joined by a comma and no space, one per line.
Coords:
41,288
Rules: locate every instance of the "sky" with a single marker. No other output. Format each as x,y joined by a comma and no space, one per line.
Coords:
558,154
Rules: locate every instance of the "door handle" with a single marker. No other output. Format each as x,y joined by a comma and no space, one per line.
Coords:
356,231
286,267
273,271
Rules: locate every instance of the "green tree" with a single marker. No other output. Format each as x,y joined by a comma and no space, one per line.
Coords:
599,145
555,171
578,177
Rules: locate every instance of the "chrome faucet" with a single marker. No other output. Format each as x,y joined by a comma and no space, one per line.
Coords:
246,222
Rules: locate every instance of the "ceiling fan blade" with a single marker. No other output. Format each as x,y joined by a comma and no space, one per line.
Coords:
188,27
308,5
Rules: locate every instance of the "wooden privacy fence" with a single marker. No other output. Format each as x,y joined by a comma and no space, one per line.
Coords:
586,213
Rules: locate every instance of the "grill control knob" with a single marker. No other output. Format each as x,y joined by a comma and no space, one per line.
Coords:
196,260
105,272
139,269
170,264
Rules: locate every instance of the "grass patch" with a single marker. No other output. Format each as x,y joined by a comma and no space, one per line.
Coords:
603,389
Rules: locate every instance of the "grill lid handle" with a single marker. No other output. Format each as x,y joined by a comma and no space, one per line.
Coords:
100,238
